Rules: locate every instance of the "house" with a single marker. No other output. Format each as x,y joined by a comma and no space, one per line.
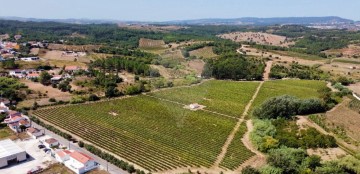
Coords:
194,106
51,142
17,73
3,108
76,161
14,123
32,76
29,59
25,123
71,69
17,37
56,79
34,132
12,113
14,119
10,153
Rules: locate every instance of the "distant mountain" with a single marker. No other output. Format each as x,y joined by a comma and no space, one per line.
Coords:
264,21
236,21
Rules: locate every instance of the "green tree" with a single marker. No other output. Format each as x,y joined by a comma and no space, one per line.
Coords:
45,78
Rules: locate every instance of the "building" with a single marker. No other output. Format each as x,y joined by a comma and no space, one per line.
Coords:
34,132
76,161
51,142
29,59
17,73
10,153
3,108
33,76
56,79
71,69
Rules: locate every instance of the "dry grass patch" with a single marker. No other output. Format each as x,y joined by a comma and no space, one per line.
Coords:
257,37
206,52
149,43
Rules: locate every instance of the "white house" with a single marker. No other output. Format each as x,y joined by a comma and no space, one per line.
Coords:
29,59
17,73
3,108
51,142
76,161
34,132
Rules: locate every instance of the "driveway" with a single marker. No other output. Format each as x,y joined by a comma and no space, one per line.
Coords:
112,169
37,158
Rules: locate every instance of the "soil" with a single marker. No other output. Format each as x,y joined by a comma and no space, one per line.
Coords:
328,154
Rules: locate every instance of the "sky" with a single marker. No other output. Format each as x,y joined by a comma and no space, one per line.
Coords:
165,10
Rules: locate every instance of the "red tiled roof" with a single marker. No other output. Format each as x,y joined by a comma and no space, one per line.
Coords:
78,156
15,118
51,140
71,68
32,130
63,153
23,122
33,75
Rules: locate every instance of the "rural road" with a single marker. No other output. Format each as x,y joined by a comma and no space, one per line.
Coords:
73,146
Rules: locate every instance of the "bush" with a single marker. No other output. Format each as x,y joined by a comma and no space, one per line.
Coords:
81,144
93,97
52,100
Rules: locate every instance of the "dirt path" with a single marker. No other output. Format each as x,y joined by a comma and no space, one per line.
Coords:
267,70
236,129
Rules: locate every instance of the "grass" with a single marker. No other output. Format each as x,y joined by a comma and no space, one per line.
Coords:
299,55
347,61
226,97
5,133
206,52
237,153
154,134
298,88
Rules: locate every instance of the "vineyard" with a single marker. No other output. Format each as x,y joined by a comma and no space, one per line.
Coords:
152,133
298,88
206,52
237,153
226,97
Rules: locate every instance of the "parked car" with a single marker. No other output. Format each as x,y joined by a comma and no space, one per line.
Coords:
46,150
35,170
41,146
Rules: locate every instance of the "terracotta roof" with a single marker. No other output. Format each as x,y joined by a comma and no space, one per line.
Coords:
23,122
78,156
15,118
32,130
51,140
33,75
63,153
72,68
11,112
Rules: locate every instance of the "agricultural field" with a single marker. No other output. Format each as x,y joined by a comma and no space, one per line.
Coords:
155,134
206,52
226,97
257,37
297,88
237,153
149,43
81,48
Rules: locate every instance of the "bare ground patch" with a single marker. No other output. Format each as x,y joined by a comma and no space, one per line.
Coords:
327,154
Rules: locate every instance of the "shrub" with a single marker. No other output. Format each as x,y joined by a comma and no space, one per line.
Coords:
93,97
52,100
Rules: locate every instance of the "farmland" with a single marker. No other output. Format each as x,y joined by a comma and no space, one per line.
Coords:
260,38
225,97
149,43
237,153
297,88
151,133
206,52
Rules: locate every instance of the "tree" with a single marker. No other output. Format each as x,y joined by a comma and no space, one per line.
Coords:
111,91
45,78
22,128
249,170
93,97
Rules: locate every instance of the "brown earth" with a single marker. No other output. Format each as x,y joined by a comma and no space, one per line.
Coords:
355,87
197,65
328,154
58,55
206,52
350,50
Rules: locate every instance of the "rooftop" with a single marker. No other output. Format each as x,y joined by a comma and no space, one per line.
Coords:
83,158
51,140
8,148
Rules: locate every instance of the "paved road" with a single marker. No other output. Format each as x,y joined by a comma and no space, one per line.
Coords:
73,146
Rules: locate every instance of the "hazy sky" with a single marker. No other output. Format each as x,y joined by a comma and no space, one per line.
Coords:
162,10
